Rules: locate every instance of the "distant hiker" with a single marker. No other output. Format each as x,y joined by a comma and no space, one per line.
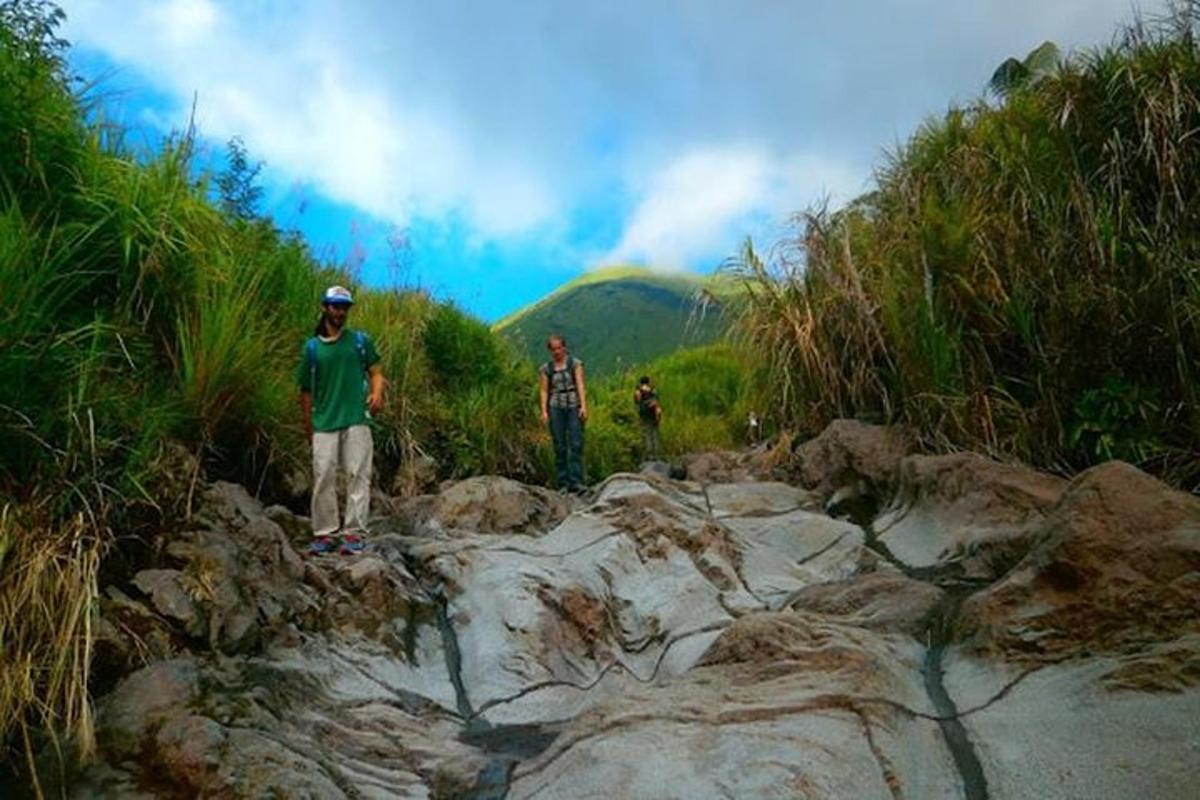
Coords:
341,383
752,428
650,413
564,407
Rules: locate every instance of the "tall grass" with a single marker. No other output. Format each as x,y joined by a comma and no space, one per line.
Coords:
1024,279
139,318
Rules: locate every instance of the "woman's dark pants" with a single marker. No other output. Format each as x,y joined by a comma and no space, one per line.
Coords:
566,429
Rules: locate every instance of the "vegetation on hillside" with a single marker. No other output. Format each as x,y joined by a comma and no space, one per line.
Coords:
621,316
1024,280
152,325
707,394
151,328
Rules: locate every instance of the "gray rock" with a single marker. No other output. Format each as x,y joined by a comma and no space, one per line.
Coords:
491,504
782,705
143,700
884,601
660,468
677,639
170,598
849,453
1061,732
756,498
966,509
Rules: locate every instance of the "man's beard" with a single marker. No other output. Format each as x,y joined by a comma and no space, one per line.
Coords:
333,325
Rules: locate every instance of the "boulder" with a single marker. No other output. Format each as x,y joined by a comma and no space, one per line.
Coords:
415,476
729,466
782,554
241,570
170,597
1116,567
660,468
246,729
143,701
672,639
491,504
884,601
756,498
852,454
966,509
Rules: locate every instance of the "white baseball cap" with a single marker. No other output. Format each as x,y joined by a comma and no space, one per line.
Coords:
338,296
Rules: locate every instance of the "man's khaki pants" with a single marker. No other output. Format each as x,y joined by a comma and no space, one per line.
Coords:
351,449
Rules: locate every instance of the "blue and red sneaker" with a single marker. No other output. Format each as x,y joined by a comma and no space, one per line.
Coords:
351,544
322,545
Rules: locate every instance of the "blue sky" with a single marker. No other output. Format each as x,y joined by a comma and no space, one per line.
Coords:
509,146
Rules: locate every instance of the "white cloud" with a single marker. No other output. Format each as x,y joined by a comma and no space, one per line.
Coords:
707,200
712,116
185,21
315,114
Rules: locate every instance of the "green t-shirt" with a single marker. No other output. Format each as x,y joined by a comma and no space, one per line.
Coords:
340,399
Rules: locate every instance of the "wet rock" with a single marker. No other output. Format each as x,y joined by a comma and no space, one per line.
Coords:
852,453
1117,567
967,509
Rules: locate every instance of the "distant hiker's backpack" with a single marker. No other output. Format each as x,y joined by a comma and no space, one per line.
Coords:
310,350
647,403
570,369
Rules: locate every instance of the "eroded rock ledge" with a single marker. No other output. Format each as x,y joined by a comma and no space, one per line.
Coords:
967,629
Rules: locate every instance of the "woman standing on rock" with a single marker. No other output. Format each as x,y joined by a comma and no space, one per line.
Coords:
564,408
340,385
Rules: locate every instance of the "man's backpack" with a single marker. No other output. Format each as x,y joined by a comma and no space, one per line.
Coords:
310,350
647,404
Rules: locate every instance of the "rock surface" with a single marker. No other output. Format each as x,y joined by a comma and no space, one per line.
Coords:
965,508
851,455
992,634
1117,568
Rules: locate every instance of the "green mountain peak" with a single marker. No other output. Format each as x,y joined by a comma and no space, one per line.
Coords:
619,316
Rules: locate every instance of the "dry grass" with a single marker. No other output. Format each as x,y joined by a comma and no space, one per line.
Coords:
48,593
1024,280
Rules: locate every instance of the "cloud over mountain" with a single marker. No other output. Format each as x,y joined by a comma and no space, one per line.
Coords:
709,118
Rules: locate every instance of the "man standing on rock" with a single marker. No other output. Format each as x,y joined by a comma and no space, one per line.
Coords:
341,384
564,407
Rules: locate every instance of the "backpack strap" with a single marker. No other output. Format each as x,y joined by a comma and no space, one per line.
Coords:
310,350
360,344
570,367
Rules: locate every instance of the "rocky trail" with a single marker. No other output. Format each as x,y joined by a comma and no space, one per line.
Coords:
853,621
